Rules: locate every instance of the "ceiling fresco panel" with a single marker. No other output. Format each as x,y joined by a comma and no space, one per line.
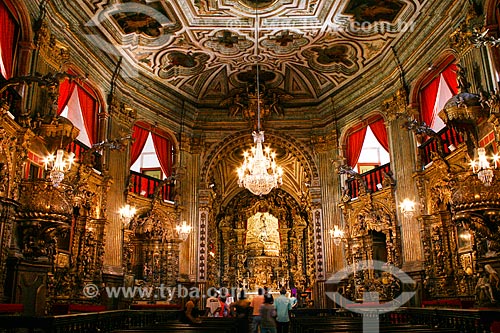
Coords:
312,46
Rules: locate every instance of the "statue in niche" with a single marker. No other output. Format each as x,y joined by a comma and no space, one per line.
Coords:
263,235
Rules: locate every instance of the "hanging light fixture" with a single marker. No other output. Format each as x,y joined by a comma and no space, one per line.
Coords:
259,172
482,166
58,165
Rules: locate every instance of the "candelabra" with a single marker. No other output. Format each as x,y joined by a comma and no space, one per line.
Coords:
407,207
183,230
337,234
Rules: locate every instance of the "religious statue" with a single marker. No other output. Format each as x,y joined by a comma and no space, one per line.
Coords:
483,290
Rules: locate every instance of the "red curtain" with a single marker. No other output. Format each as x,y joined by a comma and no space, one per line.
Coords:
140,135
380,132
65,90
8,28
429,93
450,77
428,99
354,144
88,106
163,148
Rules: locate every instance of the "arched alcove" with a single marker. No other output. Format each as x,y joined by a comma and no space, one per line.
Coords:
260,241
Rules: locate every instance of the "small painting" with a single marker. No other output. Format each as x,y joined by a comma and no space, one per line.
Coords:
374,10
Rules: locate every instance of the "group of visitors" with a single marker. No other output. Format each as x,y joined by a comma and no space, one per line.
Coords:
267,314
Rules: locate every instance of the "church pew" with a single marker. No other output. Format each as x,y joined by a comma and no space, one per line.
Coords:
355,324
208,325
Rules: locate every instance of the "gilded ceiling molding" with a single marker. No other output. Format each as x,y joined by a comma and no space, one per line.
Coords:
396,106
324,143
461,39
123,113
51,50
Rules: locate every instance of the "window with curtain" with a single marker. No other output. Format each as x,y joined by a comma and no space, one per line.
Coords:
78,103
434,96
151,151
9,33
368,145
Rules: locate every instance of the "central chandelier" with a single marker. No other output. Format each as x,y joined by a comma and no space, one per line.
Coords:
259,172
58,166
482,166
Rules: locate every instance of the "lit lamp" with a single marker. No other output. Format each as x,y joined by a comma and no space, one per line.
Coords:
126,214
337,234
259,172
482,166
58,166
183,230
407,207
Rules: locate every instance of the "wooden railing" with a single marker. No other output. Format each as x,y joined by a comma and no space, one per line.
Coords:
448,136
372,178
79,149
436,320
103,322
145,186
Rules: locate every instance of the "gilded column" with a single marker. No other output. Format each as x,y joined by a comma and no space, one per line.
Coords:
326,152
403,161
189,248
116,163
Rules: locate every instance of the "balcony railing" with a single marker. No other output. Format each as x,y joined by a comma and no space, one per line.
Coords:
372,178
448,136
145,186
79,149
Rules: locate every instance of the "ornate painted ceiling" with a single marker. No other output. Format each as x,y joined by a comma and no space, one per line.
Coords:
207,51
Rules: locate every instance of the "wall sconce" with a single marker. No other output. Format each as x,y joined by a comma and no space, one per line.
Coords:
183,230
407,207
58,166
482,167
337,234
126,214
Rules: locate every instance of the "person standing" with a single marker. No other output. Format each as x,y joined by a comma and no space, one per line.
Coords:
190,314
283,304
257,301
213,306
241,309
268,313
293,298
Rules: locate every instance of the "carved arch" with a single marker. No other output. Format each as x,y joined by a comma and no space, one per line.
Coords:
300,151
26,35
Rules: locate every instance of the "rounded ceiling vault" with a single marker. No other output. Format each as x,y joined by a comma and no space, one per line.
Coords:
203,48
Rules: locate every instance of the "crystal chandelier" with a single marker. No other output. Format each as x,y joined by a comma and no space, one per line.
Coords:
482,166
58,166
259,172
183,230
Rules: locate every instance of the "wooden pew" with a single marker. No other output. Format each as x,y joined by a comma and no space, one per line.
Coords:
208,325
